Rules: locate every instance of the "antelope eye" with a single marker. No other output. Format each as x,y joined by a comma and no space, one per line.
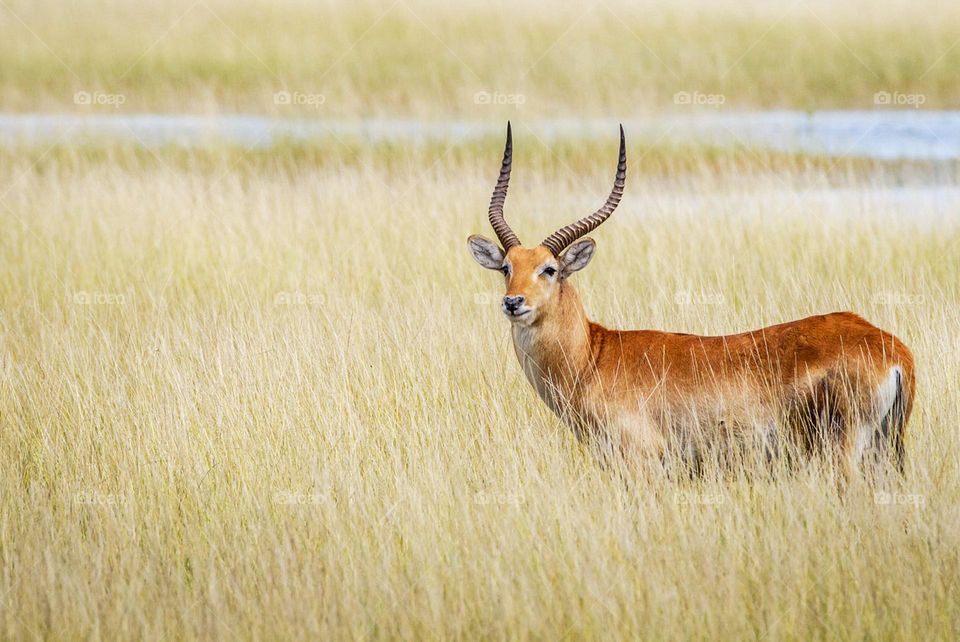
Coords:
549,271
505,269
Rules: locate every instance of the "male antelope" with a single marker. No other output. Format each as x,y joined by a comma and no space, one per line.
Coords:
828,383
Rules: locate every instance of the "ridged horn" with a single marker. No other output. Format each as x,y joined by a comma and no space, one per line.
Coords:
563,237
507,238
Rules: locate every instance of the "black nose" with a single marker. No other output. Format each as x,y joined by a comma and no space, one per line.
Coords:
511,303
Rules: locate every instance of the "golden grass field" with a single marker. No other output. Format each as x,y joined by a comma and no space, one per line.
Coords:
267,394
426,58
243,400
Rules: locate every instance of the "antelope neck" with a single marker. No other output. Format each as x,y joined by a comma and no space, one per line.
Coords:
557,346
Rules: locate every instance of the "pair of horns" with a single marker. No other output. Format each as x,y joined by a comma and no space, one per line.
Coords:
563,237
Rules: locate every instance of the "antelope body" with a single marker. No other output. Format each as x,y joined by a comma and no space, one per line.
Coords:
831,383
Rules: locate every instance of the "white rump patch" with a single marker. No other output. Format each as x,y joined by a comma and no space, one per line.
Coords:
887,393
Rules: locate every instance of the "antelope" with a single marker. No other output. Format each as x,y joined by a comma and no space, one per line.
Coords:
831,383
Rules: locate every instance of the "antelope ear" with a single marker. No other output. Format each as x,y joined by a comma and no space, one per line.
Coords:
576,257
485,252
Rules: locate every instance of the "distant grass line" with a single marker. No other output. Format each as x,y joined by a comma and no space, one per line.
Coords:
555,159
423,58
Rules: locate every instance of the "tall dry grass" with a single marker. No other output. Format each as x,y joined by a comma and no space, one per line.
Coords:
474,60
278,401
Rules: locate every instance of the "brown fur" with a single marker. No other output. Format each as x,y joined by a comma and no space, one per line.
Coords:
819,382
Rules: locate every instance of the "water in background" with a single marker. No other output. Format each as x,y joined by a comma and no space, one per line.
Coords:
895,134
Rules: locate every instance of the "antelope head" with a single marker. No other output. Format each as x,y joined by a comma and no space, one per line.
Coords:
534,275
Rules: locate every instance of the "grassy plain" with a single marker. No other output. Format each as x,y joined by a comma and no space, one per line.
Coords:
272,396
